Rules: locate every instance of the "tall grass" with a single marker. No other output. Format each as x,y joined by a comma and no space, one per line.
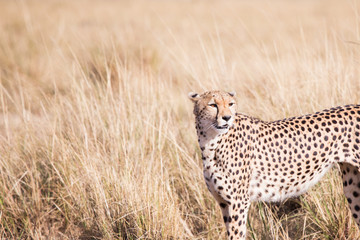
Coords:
97,138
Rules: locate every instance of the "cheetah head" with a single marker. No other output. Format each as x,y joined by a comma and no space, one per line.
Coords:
214,110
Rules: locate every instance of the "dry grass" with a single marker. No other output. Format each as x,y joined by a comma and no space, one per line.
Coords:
96,133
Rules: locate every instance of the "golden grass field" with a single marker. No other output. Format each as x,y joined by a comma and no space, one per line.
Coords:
97,137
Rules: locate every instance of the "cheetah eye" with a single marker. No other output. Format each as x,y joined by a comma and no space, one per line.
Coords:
213,105
231,104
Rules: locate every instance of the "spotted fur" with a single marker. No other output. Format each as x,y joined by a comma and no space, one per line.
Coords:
246,159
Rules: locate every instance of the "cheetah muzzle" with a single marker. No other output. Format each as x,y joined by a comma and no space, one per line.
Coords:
246,159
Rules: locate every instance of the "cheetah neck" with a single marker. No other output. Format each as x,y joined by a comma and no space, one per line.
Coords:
208,142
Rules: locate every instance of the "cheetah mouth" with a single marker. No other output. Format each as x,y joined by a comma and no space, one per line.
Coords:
223,126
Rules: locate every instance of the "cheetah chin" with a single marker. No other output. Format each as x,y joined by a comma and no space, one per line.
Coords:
221,130
246,159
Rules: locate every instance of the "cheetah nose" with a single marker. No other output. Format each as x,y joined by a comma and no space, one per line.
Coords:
226,117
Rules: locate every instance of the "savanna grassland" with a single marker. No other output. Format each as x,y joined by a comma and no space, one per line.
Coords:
97,137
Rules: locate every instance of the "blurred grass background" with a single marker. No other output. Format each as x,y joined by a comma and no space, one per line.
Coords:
97,137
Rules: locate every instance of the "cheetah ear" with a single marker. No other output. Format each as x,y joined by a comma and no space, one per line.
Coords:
193,96
233,94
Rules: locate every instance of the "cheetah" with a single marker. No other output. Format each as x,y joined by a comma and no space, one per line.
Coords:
246,159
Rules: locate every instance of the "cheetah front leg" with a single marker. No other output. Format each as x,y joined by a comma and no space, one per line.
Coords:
235,216
351,184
